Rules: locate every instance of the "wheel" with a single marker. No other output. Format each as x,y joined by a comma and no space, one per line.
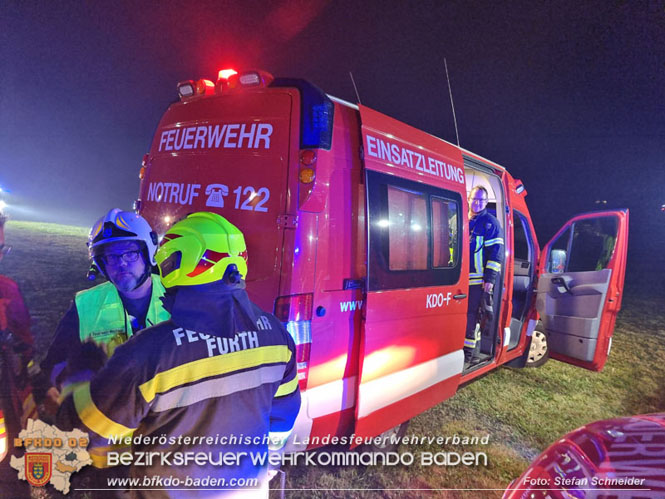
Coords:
539,351
387,440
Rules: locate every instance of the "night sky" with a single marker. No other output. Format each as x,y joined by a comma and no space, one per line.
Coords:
567,95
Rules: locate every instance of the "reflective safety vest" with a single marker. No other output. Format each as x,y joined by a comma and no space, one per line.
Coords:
103,318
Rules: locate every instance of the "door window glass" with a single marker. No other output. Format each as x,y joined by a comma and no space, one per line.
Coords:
593,244
523,272
588,246
444,233
407,229
414,233
521,245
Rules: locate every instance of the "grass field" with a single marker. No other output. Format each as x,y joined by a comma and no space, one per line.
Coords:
522,411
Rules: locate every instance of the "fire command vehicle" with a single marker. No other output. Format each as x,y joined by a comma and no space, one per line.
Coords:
356,227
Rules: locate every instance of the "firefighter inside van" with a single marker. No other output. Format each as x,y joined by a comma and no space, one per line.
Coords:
485,258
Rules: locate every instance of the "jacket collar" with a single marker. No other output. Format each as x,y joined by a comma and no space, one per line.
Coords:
480,214
216,308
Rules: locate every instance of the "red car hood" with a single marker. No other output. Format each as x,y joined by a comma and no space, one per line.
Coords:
622,457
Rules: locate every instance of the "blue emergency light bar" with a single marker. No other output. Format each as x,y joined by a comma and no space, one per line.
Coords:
316,113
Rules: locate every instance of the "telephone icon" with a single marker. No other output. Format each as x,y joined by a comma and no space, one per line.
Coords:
216,193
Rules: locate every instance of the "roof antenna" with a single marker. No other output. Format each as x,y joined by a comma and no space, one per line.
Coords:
354,87
452,104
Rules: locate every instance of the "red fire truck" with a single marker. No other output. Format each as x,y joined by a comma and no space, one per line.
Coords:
356,226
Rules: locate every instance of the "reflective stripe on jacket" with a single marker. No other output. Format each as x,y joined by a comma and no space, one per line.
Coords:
220,376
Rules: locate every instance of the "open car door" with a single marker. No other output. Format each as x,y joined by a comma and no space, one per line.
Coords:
580,287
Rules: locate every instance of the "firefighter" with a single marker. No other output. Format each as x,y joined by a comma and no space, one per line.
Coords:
17,402
485,258
16,349
14,315
218,377
122,247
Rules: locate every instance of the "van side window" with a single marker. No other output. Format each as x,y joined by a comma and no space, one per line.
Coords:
407,229
593,244
414,233
444,233
521,242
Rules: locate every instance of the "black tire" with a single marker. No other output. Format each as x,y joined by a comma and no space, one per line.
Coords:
539,350
396,433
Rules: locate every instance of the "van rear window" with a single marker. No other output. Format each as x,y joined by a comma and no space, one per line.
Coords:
414,233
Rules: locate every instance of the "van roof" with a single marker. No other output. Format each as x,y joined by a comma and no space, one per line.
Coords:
342,102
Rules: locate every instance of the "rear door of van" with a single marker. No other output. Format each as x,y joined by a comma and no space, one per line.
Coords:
228,154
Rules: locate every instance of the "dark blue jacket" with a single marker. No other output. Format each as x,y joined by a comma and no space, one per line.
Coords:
486,251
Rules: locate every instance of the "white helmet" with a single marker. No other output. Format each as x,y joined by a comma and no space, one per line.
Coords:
119,225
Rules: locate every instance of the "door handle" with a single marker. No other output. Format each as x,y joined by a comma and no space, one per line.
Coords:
459,297
561,285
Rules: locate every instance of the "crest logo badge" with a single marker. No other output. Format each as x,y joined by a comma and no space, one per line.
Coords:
37,468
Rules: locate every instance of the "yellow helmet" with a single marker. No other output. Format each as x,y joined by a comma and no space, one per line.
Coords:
198,250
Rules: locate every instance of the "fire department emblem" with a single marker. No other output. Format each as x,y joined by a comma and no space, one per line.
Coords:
51,455
37,468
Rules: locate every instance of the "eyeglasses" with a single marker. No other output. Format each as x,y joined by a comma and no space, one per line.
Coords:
4,249
127,257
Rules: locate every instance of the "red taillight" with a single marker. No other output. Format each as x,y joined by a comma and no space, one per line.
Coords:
294,308
306,176
295,312
307,157
307,173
